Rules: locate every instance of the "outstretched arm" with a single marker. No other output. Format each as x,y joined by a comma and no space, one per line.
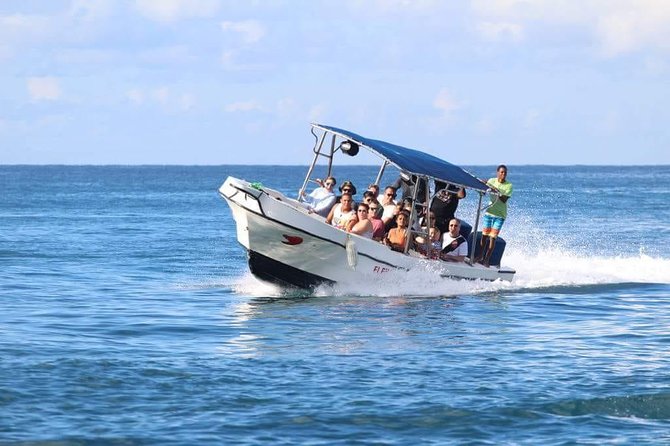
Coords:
324,204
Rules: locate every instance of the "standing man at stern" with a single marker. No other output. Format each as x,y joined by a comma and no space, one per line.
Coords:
496,213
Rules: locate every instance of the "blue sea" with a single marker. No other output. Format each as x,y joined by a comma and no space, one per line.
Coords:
128,317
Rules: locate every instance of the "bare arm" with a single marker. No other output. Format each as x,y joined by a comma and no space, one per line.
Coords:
361,227
331,214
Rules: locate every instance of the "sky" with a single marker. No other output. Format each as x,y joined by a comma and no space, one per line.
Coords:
476,82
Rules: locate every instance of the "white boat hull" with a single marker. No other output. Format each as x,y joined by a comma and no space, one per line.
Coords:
289,246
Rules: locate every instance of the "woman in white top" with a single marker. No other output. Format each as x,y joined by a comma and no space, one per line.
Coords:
361,224
322,199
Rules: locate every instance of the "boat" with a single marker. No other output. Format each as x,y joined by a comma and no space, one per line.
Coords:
290,246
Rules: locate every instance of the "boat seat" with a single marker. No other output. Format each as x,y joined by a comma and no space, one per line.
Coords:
498,250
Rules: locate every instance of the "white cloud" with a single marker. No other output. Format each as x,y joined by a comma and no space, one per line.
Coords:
626,30
187,101
617,27
135,96
317,113
243,106
77,23
175,54
445,102
229,61
531,119
484,126
287,108
22,28
500,31
400,7
91,10
161,95
250,30
167,11
44,88
5,52
553,11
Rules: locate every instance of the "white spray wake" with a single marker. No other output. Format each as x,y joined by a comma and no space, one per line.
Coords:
548,268
541,261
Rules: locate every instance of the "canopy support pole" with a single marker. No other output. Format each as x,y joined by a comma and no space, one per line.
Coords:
476,228
380,174
413,212
317,151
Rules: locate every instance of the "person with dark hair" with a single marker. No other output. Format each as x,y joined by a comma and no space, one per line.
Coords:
361,223
397,237
432,244
348,185
347,188
388,203
454,245
444,204
340,213
495,214
375,216
406,182
369,196
322,199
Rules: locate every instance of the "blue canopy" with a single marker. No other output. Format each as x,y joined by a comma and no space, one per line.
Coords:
413,161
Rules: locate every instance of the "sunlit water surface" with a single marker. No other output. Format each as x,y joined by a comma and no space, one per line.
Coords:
129,317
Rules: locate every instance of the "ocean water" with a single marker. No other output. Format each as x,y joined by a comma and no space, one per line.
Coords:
128,316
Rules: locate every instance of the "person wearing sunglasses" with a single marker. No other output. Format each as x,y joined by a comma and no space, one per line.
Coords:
432,244
347,188
454,245
387,201
375,216
361,224
321,200
342,212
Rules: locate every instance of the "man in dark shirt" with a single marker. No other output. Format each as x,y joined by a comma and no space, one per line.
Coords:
444,204
406,182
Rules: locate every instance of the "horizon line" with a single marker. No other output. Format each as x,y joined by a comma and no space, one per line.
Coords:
307,165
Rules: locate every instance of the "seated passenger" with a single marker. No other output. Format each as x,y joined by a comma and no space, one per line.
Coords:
322,199
375,216
454,245
431,244
340,213
407,207
388,203
374,188
347,188
397,237
361,224
369,197
390,223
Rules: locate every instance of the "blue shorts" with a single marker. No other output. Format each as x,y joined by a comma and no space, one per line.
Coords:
492,225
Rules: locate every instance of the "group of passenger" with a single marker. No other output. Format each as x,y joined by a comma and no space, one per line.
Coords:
383,218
